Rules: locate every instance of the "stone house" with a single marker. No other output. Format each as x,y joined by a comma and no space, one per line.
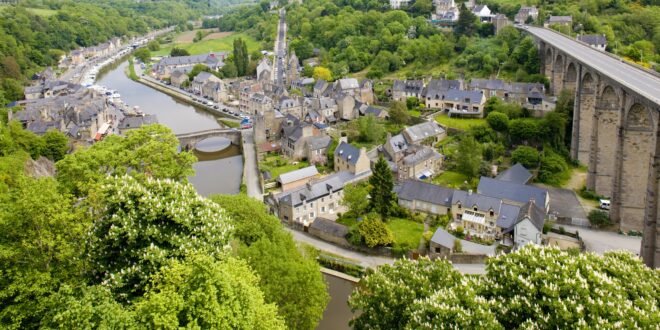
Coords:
297,178
442,246
316,149
264,68
500,21
178,77
346,107
329,231
216,91
420,162
259,103
463,103
403,89
432,93
292,106
293,69
77,57
351,159
201,79
318,198
529,225
166,66
420,196
245,92
482,12
427,133
597,41
294,138
514,192
476,213
566,21
525,13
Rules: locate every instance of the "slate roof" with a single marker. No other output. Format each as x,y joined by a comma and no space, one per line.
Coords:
469,200
348,83
471,97
426,192
435,87
442,237
319,188
210,60
560,19
303,173
493,84
177,73
532,212
516,174
329,227
398,143
347,152
420,155
319,142
137,121
203,77
409,86
508,216
422,131
512,191
593,39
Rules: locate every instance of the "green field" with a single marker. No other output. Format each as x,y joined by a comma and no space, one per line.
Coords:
459,123
277,164
450,179
406,232
42,12
207,46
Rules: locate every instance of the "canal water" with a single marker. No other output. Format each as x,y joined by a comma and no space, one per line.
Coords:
215,173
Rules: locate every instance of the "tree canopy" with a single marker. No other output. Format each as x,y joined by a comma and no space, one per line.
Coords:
533,287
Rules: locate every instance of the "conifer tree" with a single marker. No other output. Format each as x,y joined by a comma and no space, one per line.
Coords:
382,183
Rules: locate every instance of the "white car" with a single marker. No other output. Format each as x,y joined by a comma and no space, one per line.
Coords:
604,204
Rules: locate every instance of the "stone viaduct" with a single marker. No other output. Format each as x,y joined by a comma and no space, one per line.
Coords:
615,129
188,140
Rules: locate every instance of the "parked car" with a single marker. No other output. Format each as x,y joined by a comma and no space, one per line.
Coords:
604,204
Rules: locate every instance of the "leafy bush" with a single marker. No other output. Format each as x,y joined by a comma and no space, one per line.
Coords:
458,247
599,218
554,168
374,232
498,121
527,156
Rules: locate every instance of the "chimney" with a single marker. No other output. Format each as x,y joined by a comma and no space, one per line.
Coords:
343,139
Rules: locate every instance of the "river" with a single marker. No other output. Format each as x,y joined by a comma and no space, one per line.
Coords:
215,173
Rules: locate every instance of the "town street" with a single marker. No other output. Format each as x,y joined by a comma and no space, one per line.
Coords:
365,260
250,168
599,241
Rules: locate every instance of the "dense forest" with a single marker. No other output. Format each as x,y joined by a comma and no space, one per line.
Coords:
35,34
373,38
106,242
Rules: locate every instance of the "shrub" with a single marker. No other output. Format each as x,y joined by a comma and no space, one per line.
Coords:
459,232
458,247
374,232
599,218
527,156
498,121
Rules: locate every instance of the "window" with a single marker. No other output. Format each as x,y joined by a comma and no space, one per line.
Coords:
323,209
474,207
459,206
492,213
322,199
311,215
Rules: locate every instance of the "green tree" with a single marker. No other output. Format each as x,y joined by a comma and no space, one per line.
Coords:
385,297
229,70
287,278
599,218
241,58
303,48
498,121
10,68
527,156
143,54
523,130
321,73
197,69
424,294
150,151
356,199
553,169
468,157
381,185
412,102
398,112
55,145
370,129
204,293
176,51
554,129
374,232
12,89
153,45
142,225
467,22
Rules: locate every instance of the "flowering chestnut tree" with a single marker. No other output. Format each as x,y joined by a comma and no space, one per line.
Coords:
141,225
534,287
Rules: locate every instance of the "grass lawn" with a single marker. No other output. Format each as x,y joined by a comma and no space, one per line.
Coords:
276,165
229,123
450,179
459,123
225,43
415,113
406,232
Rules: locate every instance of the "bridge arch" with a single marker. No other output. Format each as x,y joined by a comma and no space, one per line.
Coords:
558,74
604,155
639,145
586,113
548,63
570,77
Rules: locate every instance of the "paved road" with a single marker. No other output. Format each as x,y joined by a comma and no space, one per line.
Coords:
636,79
250,168
599,241
280,49
366,260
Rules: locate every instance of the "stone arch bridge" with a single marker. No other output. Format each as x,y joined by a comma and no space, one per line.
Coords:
189,140
615,129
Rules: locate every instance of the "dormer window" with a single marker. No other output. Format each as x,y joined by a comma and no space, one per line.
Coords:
459,205
492,213
474,207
